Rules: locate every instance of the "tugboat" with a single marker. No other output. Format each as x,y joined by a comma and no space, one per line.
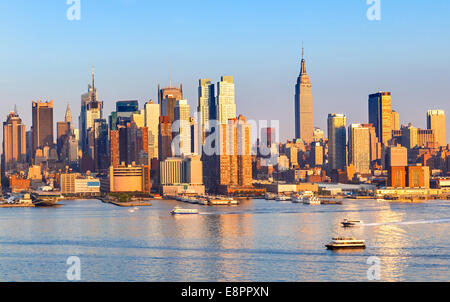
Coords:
346,243
351,223
180,211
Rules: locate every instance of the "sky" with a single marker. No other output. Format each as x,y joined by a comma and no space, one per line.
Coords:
135,45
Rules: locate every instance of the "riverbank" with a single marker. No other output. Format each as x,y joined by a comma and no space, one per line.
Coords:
18,205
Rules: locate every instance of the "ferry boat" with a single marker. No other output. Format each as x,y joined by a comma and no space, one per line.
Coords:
346,243
283,198
351,223
311,200
180,211
297,199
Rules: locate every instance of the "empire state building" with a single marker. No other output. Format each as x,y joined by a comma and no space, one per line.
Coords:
304,124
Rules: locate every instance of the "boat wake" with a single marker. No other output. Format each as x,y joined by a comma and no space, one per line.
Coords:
445,220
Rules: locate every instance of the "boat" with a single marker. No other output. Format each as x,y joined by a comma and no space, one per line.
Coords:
351,223
45,198
269,196
180,211
297,198
233,202
311,200
345,243
283,198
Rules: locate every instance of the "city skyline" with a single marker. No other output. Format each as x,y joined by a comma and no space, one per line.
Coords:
269,76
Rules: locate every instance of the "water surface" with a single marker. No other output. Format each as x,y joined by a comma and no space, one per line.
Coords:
256,241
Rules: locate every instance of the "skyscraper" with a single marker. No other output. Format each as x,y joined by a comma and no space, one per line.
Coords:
206,105
167,99
226,105
231,165
337,152
85,100
182,128
395,120
152,123
436,122
164,138
359,148
304,119
42,119
14,143
380,115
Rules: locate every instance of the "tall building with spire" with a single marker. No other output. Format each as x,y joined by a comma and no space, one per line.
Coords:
167,100
304,119
91,110
85,100
68,118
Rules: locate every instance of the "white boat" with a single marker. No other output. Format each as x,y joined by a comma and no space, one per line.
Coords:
283,198
346,243
297,199
350,223
180,211
311,200
234,201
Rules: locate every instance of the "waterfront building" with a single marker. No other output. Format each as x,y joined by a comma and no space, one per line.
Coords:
397,177
42,129
359,148
337,151
14,144
75,184
192,170
436,122
380,115
171,171
418,177
127,178
304,117
231,166
226,103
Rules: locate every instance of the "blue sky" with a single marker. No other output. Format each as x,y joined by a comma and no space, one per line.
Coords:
136,44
